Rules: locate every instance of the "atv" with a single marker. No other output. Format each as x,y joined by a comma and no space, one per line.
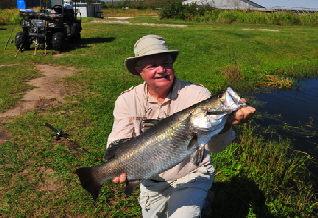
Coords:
52,27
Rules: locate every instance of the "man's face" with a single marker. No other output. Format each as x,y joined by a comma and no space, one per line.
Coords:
157,70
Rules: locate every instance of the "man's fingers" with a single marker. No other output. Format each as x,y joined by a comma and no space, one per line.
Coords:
115,180
243,114
121,179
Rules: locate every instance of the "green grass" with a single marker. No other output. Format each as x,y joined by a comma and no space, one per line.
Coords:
37,172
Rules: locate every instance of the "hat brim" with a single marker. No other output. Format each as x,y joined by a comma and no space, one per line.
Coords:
130,63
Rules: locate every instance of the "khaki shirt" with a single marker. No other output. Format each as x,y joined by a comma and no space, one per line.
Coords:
136,104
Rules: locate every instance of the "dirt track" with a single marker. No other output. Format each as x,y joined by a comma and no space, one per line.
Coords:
47,91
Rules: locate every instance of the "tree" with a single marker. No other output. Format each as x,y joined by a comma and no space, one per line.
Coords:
6,4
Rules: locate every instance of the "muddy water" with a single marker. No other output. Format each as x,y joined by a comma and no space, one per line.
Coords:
291,113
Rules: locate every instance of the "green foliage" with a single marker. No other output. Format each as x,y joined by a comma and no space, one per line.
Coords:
9,16
209,14
272,171
176,10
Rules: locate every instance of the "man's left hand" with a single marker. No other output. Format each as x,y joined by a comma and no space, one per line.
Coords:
242,115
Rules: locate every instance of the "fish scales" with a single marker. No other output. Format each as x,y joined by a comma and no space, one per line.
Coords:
163,146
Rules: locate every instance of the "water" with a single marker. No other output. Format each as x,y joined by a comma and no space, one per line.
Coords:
291,113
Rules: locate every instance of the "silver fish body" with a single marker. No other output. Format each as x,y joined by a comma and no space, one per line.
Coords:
164,145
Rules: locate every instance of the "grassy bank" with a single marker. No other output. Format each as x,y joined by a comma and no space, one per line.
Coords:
38,172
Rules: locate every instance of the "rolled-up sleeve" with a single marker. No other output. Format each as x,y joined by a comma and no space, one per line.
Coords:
123,126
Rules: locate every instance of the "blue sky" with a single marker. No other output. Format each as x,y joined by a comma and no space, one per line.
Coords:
288,3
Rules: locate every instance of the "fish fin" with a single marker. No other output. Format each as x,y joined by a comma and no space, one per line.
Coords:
88,182
197,156
192,142
113,148
131,185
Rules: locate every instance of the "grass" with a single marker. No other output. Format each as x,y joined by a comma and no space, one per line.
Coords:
253,176
259,172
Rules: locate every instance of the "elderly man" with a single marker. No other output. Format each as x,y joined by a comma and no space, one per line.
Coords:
182,190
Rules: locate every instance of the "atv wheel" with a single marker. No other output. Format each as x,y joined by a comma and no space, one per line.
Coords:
22,41
76,33
58,41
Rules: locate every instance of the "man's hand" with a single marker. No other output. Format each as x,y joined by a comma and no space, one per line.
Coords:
242,115
121,179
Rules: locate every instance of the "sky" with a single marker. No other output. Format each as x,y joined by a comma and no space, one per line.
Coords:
288,3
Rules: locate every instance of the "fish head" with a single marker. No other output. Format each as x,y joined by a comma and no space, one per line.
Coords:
209,116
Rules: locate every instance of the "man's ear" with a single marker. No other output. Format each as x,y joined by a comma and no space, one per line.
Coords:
138,69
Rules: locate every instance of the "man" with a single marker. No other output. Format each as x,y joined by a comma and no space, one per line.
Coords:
182,190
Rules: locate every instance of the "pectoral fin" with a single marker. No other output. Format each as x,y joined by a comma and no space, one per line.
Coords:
197,156
131,185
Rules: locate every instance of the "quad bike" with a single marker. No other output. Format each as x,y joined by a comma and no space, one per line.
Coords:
52,27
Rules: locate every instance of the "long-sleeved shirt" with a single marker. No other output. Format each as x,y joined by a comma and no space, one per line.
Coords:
136,104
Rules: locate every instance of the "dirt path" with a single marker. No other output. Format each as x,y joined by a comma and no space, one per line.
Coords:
47,91
143,24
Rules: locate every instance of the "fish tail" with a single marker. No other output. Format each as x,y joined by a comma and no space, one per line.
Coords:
88,181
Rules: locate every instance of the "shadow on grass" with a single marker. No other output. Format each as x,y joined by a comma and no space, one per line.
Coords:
86,42
236,197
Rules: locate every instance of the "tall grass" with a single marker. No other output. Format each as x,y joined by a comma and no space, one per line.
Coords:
209,14
273,170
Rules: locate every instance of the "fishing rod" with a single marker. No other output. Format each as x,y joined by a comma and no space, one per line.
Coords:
36,46
9,40
45,44
59,133
20,49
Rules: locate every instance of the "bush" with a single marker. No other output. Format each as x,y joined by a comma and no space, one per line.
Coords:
9,16
176,10
193,12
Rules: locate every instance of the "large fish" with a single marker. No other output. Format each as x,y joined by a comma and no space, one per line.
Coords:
164,145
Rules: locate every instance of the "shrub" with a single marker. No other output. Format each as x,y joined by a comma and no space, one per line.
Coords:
176,10
9,16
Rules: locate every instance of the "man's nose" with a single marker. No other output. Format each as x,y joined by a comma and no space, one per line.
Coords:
161,69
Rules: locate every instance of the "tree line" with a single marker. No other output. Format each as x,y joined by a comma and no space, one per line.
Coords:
134,4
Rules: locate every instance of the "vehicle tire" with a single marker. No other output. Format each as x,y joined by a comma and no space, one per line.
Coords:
22,41
76,33
58,41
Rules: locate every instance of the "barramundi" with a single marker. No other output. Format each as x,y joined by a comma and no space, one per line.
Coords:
163,146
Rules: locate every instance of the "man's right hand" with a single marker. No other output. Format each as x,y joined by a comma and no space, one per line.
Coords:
121,179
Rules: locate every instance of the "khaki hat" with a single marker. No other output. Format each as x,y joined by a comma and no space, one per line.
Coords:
148,45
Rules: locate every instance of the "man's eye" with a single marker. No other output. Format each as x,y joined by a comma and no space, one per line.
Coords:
150,67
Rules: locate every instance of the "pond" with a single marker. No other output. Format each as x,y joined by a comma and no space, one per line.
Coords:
291,113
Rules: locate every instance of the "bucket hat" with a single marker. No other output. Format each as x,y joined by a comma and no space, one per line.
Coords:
148,45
